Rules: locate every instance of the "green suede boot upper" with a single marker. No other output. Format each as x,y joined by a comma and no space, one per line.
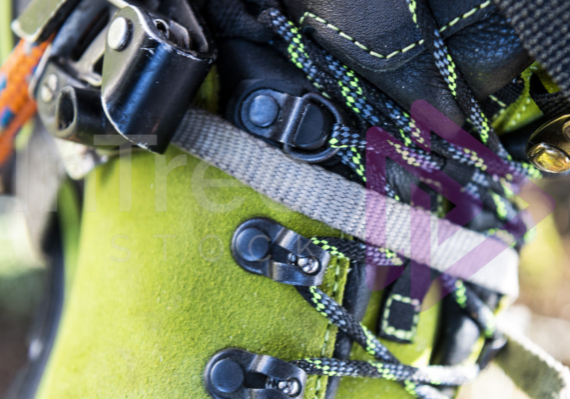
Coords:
157,293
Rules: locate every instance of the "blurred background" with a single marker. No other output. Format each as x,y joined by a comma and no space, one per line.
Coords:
542,310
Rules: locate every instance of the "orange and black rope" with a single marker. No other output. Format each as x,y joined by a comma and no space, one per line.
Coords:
16,105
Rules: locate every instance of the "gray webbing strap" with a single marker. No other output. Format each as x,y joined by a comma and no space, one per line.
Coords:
532,369
339,203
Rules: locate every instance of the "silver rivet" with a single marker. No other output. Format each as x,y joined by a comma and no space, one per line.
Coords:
308,265
49,87
119,34
290,387
302,262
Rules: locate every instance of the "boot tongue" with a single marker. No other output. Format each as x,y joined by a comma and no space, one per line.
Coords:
380,41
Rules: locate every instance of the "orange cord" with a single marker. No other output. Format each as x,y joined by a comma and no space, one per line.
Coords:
16,106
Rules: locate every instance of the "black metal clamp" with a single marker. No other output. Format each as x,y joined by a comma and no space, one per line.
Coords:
238,374
262,246
128,73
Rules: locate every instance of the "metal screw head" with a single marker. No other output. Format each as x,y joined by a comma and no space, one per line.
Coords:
290,387
309,265
49,87
119,34
549,158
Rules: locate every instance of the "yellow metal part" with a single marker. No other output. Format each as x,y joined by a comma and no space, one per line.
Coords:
549,146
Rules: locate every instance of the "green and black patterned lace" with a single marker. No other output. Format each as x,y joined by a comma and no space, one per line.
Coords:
418,381
373,108
370,107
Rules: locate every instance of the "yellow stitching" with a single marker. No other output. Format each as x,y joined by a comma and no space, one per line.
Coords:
495,99
405,49
333,27
362,46
453,22
391,330
318,387
327,333
470,13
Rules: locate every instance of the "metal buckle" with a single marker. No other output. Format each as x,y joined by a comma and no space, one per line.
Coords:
262,246
128,72
238,374
302,123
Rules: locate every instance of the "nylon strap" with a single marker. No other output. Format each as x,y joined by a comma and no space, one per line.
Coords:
341,204
532,369
542,26
552,105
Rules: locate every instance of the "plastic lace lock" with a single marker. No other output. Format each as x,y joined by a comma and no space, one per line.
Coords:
238,374
118,75
302,123
262,246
